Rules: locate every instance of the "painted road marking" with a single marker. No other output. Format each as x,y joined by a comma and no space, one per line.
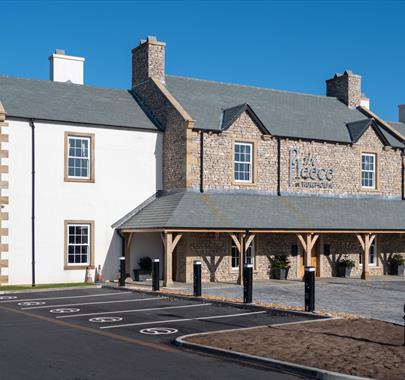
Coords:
92,303
8,297
158,331
35,303
135,310
184,320
65,310
64,297
105,319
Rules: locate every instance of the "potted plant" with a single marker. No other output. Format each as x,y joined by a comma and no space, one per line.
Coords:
145,269
396,265
344,267
279,267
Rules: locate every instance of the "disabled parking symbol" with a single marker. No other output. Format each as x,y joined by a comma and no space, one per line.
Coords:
105,319
158,331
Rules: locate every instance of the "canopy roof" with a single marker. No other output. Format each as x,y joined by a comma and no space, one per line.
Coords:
233,211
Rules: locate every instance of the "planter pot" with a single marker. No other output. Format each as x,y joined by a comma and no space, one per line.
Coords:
279,274
140,275
396,270
343,270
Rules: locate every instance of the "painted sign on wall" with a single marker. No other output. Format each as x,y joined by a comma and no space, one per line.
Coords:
307,172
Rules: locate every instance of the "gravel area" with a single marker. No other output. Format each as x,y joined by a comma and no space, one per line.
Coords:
366,348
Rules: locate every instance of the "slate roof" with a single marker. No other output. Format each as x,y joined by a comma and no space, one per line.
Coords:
68,102
283,113
400,127
189,209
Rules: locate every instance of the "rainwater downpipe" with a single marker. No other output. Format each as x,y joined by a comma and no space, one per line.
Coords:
201,161
278,166
32,125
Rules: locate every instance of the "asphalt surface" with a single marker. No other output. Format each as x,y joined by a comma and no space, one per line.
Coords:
111,334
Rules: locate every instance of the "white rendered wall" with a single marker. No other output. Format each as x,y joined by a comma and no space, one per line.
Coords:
127,171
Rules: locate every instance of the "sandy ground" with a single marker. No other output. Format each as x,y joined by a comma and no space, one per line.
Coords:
359,347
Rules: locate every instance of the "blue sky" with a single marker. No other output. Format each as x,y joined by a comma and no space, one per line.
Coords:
289,45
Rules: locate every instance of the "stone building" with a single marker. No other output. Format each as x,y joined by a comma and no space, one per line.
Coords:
251,173
223,173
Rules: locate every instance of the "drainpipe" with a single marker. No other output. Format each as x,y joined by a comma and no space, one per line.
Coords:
278,166
201,161
32,125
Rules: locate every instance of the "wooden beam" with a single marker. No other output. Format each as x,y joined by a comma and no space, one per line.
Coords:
249,241
302,241
170,245
360,238
236,241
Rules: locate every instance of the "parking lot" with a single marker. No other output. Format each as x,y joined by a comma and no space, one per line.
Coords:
146,322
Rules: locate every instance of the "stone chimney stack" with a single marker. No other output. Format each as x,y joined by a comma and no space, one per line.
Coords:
402,113
347,88
148,61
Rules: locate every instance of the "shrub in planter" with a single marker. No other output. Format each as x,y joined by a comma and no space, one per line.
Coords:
145,269
279,267
396,265
344,267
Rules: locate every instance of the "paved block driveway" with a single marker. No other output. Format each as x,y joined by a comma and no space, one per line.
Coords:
380,297
110,334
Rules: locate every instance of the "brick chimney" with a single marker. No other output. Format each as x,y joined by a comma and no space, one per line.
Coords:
148,60
402,113
347,88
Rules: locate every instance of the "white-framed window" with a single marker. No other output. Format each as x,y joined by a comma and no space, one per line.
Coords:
372,254
249,257
243,162
368,170
78,244
78,165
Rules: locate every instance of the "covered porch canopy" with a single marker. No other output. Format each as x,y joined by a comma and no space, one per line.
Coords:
243,216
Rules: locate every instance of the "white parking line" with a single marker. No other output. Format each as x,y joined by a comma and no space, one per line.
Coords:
135,310
59,298
91,303
184,320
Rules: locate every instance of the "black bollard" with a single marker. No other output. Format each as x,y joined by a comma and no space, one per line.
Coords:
122,271
309,278
248,283
197,278
155,275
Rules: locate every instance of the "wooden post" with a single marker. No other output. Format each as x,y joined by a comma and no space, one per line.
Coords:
169,245
366,240
128,241
307,241
242,240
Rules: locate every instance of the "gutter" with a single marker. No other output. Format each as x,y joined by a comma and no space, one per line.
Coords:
32,125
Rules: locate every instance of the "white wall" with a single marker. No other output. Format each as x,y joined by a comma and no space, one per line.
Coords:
127,171
64,68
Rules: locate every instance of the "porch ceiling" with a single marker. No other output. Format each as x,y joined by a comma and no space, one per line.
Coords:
189,210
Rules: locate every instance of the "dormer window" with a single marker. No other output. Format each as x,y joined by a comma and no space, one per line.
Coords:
368,171
243,162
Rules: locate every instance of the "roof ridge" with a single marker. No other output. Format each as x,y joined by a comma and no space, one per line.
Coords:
253,87
65,83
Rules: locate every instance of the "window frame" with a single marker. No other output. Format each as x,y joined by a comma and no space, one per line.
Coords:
374,245
251,250
252,173
375,171
78,135
90,263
